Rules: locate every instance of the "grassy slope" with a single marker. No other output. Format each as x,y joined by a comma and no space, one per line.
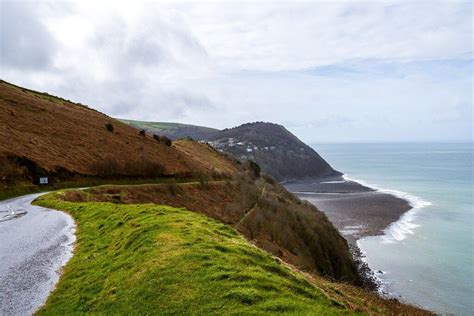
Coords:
154,125
163,126
173,130
272,218
150,259
78,139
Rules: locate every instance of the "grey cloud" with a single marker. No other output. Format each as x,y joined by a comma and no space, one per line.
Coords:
25,41
129,65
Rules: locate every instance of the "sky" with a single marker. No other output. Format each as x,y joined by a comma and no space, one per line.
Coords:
328,71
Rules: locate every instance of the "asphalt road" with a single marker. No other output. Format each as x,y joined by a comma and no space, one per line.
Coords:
35,242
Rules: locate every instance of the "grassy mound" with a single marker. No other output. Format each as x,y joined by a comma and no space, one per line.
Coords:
150,259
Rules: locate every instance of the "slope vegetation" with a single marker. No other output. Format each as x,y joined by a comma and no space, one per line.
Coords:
151,259
263,212
46,135
174,130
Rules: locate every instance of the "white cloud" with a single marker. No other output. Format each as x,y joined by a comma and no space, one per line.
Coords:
288,36
335,71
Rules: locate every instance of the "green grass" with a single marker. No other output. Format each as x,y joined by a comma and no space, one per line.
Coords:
20,189
151,259
159,127
155,125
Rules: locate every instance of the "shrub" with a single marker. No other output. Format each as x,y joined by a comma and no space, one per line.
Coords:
269,179
107,167
254,168
142,132
166,140
163,139
109,127
151,169
10,171
141,168
203,181
174,188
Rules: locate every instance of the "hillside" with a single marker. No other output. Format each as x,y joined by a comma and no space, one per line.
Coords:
46,135
144,259
174,130
278,152
124,244
262,211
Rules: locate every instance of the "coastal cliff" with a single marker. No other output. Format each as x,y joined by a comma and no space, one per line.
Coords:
278,152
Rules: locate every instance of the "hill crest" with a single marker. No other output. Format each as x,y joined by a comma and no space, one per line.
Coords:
278,152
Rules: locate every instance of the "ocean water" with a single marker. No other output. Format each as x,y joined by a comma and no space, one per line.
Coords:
427,256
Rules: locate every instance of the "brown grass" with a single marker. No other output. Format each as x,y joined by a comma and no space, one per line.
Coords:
64,137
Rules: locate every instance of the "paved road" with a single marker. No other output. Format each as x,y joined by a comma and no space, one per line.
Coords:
35,243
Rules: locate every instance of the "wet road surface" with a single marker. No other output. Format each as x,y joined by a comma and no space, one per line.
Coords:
35,243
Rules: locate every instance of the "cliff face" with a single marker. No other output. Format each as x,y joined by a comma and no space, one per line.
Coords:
277,151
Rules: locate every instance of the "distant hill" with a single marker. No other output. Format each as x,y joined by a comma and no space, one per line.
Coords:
174,130
278,152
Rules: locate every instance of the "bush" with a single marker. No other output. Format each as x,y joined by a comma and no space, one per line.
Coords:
107,167
142,168
10,171
142,132
109,127
174,188
269,179
203,181
163,139
254,168
166,140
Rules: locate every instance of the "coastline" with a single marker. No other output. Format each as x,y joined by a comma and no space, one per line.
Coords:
360,210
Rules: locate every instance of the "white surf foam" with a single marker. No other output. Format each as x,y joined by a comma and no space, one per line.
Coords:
405,226
334,181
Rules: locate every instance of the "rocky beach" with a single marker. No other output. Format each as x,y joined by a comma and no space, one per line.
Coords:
357,211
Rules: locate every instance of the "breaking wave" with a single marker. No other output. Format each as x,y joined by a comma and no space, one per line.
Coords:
405,226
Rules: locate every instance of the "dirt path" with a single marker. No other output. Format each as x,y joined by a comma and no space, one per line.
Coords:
252,209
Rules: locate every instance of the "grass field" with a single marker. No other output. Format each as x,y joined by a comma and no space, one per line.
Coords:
150,259
18,189
157,126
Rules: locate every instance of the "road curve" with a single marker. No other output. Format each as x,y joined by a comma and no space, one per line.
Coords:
35,243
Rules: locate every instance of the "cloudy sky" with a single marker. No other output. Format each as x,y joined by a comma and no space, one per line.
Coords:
330,72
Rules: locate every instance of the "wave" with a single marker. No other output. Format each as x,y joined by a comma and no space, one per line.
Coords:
334,181
405,225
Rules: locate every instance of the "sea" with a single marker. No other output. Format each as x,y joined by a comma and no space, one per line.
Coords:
426,257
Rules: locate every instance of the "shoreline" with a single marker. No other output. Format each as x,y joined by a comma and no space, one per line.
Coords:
359,210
